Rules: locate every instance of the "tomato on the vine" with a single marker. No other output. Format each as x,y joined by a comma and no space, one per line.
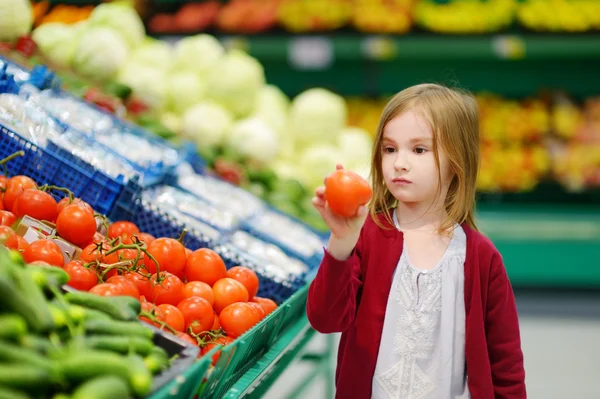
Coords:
216,323
66,201
197,313
8,238
346,191
36,204
267,304
238,318
80,277
76,224
199,289
14,188
44,250
97,252
187,338
245,276
170,315
123,229
143,237
166,288
228,291
23,244
169,253
7,218
106,289
260,311
142,283
128,287
205,265
221,341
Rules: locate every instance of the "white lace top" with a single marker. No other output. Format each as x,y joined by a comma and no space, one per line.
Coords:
422,350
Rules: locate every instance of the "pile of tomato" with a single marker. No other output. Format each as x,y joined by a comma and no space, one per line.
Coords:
188,293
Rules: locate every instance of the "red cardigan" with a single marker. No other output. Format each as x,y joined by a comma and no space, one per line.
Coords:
351,297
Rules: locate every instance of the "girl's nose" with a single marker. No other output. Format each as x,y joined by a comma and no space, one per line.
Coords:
401,162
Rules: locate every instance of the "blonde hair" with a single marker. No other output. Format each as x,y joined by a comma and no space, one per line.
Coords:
452,115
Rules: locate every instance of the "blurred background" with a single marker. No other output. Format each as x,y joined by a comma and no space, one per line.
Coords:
302,88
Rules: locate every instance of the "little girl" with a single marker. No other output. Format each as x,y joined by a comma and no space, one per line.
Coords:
422,299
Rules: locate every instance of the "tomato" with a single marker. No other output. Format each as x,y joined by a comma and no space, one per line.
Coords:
23,244
216,323
3,182
259,310
187,338
145,237
188,252
198,314
95,252
346,191
124,230
128,287
63,203
80,277
267,304
141,282
221,341
37,204
228,291
170,315
14,188
106,289
169,290
44,250
147,307
76,225
246,277
9,238
169,253
238,318
7,218
205,265
199,289
130,254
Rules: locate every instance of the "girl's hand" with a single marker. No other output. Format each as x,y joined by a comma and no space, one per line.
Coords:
341,228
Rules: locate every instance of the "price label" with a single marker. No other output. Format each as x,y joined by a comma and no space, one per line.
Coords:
379,48
237,43
314,53
509,47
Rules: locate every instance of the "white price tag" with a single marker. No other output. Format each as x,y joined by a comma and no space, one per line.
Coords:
379,48
509,47
310,53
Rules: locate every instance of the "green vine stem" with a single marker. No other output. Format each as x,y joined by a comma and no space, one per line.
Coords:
152,317
47,187
182,236
10,158
139,248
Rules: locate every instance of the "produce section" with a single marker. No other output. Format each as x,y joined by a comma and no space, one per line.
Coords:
196,132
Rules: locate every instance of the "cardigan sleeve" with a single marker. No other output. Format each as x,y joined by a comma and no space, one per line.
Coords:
332,295
503,336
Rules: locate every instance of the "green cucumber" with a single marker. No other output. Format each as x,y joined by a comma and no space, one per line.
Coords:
25,377
140,378
54,274
83,365
121,308
119,328
9,393
39,344
14,300
10,353
120,344
36,297
12,326
157,362
103,387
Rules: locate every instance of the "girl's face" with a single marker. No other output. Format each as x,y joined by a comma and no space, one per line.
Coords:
408,160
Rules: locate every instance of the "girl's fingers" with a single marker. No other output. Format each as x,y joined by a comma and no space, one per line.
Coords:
339,166
320,192
318,202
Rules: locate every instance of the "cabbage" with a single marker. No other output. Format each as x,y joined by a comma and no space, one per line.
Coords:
272,107
317,115
122,18
16,19
317,162
198,53
253,139
153,53
184,89
356,149
57,42
147,83
100,53
235,82
206,124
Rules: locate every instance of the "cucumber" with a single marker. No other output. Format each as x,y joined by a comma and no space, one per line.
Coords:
54,275
140,378
36,297
10,353
9,393
156,362
83,365
120,308
13,300
12,327
25,377
92,314
120,344
38,344
103,387
119,328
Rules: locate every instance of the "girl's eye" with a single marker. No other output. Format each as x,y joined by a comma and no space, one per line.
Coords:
420,150
388,150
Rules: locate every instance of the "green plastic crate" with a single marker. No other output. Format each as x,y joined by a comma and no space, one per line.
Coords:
186,385
295,308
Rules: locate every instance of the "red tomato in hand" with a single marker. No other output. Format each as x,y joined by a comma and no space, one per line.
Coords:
170,315
345,192
45,250
169,253
246,277
128,287
14,188
238,318
80,277
7,218
221,341
106,289
123,229
199,289
205,265
267,304
228,291
37,204
168,290
9,238
76,225
198,314
63,203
